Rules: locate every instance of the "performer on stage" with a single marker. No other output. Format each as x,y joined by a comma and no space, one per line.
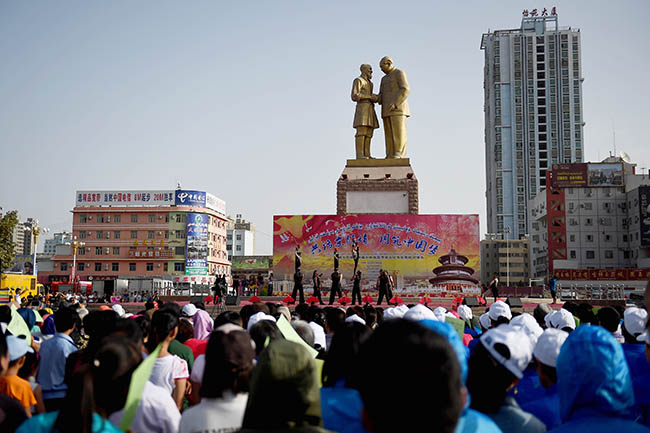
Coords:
316,278
356,287
336,259
298,259
355,256
383,285
297,287
336,286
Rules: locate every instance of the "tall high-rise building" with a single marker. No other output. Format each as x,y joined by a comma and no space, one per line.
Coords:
533,113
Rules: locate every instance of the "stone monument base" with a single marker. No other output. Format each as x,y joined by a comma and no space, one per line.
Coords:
377,186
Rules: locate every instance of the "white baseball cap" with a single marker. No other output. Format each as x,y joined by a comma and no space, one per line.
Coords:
518,344
355,318
484,320
561,319
17,347
440,313
634,320
499,309
319,334
258,317
118,309
548,346
420,312
189,310
403,308
465,312
393,313
530,326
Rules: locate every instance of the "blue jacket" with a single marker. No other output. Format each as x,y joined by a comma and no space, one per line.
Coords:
546,407
640,373
341,408
528,388
594,384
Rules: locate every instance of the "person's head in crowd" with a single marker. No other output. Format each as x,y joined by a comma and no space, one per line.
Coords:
546,352
465,313
199,305
284,389
185,330
484,321
273,308
131,330
188,311
355,309
343,350
561,319
98,324
245,313
258,307
227,317
262,332
149,305
304,330
99,387
164,327
18,350
355,318
171,307
284,311
371,315
301,310
228,364
119,309
258,317
317,315
418,312
499,313
4,354
144,322
380,315
30,367
434,364
571,306
609,318
5,314
83,312
529,325
593,377
334,318
634,323
540,311
496,364
585,314
65,320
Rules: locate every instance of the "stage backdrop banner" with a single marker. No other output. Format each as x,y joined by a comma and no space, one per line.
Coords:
408,246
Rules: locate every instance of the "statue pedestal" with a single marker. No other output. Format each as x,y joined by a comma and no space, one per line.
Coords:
377,186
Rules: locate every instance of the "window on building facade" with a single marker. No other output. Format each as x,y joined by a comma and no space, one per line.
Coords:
82,234
179,251
165,266
115,267
589,238
100,218
98,251
81,251
150,234
100,234
98,267
116,250
81,266
238,248
64,266
590,254
134,218
239,237
132,267
609,254
149,267
152,218
180,234
572,254
134,234
117,218
179,266
83,218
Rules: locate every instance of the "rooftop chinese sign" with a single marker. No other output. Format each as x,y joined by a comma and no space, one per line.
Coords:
179,197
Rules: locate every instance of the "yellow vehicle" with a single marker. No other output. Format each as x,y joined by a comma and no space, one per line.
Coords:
18,284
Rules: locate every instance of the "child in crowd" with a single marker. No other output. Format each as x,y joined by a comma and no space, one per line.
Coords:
13,385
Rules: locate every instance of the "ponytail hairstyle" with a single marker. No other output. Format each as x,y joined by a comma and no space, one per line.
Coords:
229,359
162,324
98,386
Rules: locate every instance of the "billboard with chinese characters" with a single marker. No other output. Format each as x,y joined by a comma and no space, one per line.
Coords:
408,246
587,174
644,215
196,259
125,198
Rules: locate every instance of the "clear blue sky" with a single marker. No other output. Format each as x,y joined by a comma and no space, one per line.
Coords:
251,100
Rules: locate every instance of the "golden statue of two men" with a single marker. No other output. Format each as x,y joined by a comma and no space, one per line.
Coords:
393,91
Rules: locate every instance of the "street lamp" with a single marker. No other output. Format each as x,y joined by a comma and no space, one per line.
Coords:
36,231
75,245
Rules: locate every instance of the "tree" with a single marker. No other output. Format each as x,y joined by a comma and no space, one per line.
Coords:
7,246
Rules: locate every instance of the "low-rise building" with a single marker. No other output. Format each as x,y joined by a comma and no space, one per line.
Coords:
508,258
58,239
240,237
